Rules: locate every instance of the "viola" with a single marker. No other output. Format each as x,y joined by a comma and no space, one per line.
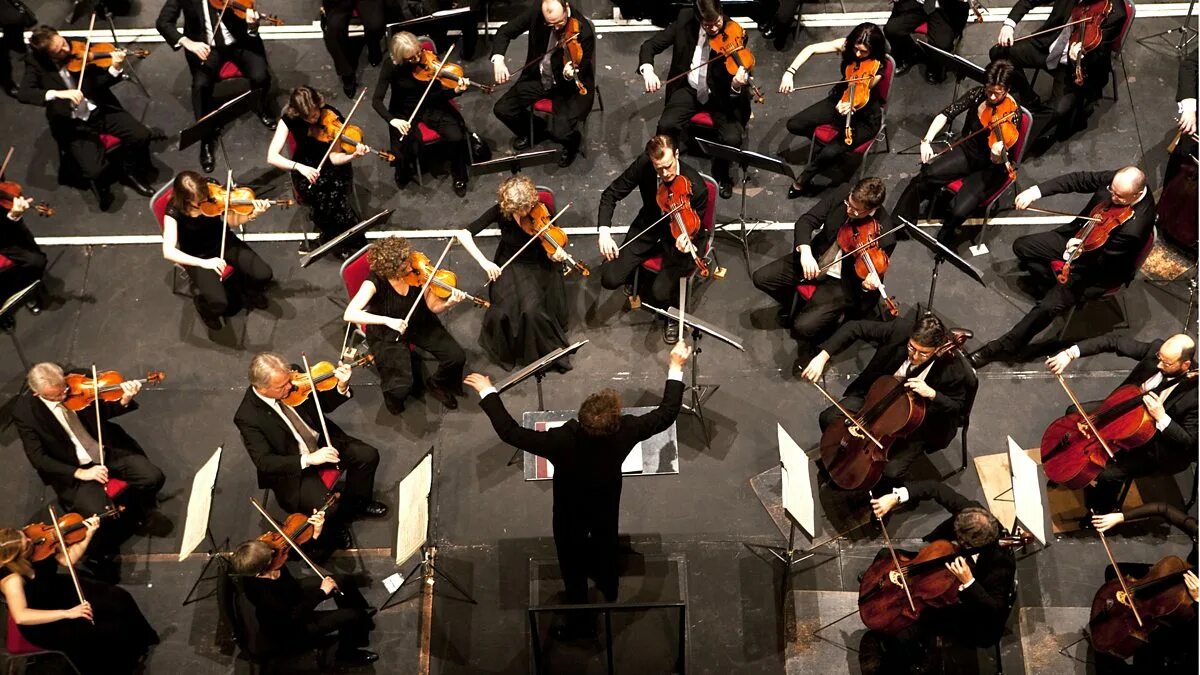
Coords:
730,42
859,76
444,281
322,376
1089,32
45,544
241,200
553,239
100,54
10,190
1126,610
675,198
82,390
573,50
331,125
1103,219
862,240
450,75
298,529
239,7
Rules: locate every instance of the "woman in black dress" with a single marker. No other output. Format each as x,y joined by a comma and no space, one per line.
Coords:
193,240
382,303
105,634
327,192
528,316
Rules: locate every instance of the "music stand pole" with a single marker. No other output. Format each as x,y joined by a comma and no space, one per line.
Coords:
537,378
213,554
745,159
699,392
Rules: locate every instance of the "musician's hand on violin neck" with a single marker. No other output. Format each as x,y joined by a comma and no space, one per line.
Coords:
19,206
92,523
741,77
843,107
96,472
1058,363
118,59
325,455
960,569
342,373
883,504
998,154
871,283
1107,521
1072,244
812,372
129,389
1193,585
568,71
317,520
684,243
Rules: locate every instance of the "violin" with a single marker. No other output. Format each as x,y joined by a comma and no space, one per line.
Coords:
675,198
82,390
239,7
100,54
730,42
855,452
10,190
862,240
449,76
331,125
1103,219
241,200
45,544
1127,609
322,376
573,50
298,529
858,77
1089,31
553,239
444,282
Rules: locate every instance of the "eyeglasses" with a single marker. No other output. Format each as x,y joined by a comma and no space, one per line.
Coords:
852,210
914,351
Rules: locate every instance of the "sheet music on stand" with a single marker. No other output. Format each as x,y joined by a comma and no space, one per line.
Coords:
1030,501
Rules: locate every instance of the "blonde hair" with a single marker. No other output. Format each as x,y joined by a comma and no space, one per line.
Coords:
265,365
13,552
403,46
43,375
516,195
387,256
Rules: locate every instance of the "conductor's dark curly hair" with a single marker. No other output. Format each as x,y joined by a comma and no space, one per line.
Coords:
600,414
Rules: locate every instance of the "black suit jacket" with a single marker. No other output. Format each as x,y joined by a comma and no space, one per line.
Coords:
1179,438
1116,262
532,21
587,469
1185,84
194,29
681,38
41,75
1060,13
272,447
406,92
48,446
640,175
819,229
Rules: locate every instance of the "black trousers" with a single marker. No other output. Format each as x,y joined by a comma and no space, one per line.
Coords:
27,261
782,12
945,25
357,459
864,125
664,290
87,497
565,126
395,361
450,125
819,315
902,454
13,40
350,620
1152,459
336,30
216,298
84,149
981,179
729,127
587,544
250,59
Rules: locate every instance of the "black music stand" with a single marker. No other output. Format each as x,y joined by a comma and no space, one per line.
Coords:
324,249
962,69
1185,30
210,123
8,320
514,163
745,159
699,392
537,370
940,254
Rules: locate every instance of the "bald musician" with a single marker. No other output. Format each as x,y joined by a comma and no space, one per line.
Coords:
1163,374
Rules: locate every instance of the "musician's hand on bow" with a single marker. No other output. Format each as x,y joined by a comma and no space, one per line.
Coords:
73,95
81,611
1193,585
926,151
310,173
1187,120
328,585
129,389
960,569
1005,38
608,246
199,49
787,84
684,243
325,455
883,504
568,71
650,79
812,372
317,520
920,388
808,263
402,126
398,325
740,78
1154,405
843,108
478,382
499,71
96,472
1107,521
1072,244
215,264
1027,197
1058,363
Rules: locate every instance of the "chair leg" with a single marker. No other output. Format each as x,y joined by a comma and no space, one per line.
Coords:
599,98
965,453
417,161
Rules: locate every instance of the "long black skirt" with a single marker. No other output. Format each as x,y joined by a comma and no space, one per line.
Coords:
528,316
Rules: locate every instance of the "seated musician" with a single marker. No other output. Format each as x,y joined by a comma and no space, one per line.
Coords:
335,27
528,316
699,86
63,446
1177,217
22,261
777,19
658,165
587,454
289,449
210,38
986,573
839,292
79,114
383,304
1058,52
437,111
550,74
286,607
193,240
326,191
1122,195
864,44
905,350
945,21
981,161
1162,372
14,18
106,633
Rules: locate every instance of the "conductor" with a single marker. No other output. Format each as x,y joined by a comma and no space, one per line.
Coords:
587,454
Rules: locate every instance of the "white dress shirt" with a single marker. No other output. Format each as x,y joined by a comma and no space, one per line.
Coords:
295,434
698,77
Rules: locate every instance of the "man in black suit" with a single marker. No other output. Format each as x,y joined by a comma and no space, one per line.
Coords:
211,38
709,88
587,454
838,292
78,115
552,76
659,164
290,451
335,26
64,447
904,349
986,573
1170,398
945,21
1093,272
22,261
285,608
15,17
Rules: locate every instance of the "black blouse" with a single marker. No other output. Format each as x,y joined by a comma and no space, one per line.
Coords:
387,302
199,236
308,149
512,238
970,101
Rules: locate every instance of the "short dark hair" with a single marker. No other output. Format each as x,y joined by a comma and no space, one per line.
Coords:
709,10
999,72
975,527
929,331
869,192
40,39
303,102
188,188
600,414
658,145
251,558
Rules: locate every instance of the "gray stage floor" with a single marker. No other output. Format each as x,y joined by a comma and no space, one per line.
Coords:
114,306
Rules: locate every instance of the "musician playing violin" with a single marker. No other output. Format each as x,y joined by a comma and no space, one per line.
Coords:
905,349
79,113
555,30
22,261
1169,399
863,49
528,316
335,28
659,165
944,22
706,87
837,292
437,110
382,303
1118,198
286,607
980,161
290,450
986,578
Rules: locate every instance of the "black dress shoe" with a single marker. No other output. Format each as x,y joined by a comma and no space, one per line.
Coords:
444,397
767,28
138,186
34,306
935,78
106,197
460,188
479,150
207,161
670,332
11,90
903,67
520,143
341,539
725,188
350,86
567,155
357,657
373,509
374,55
268,121
795,192
980,358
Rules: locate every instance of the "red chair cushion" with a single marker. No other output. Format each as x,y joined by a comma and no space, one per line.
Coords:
114,487
229,70
703,119
328,476
5,262
428,135
159,202
827,133
806,290
923,29
109,141
15,642
653,264
546,106
954,185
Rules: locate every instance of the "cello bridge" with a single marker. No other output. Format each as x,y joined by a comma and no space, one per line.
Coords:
855,432
1124,599
894,577
1084,430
